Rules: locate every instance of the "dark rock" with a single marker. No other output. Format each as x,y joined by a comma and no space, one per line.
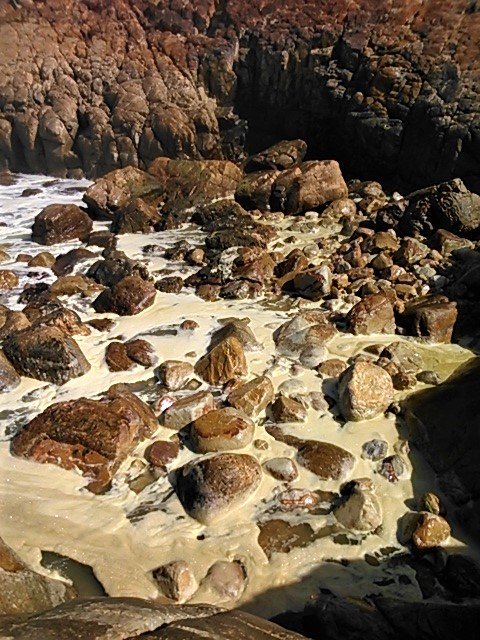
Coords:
170,284
137,216
281,155
9,378
110,271
117,358
61,223
128,297
433,317
374,449
373,314
66,261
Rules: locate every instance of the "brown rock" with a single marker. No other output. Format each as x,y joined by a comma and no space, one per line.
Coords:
117,358
221,430
361,510
286,409
253,396
9,378
210,488
365,390
171,284
76,284
12,321
431,530
60,223
279,536
66,261
223,362
281,155
373,314
141,352
185,410
128,297
326,460
433,317
332,368
226,579
162,452
176,580
137,216
45,353
8,279
42,259
282,469
174,374
94,436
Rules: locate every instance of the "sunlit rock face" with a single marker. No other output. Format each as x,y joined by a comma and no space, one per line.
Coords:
388,88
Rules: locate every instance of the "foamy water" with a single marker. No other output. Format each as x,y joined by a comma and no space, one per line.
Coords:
123,535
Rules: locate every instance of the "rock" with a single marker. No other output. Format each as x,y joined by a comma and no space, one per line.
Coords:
281,469
210,488
279,536
223,362
373,314
410,252
62,318
452,451
404,355
115,189
136,216
312,284
94,436
221,430
281,155
286,409
294,499
162,452
117,358
365,391
326,460
61,223
8,279
392,468
42,259
309,186
431,503
361,510
45,353
446,242
176,581
255,189
332,368
226,580
171,284
188,409
102,238
428,377
431,531
241,331
12,322
101,324
374,449
253,397
174,374
307,329
23,591
9,378
66,262
130,296
110,271
141,352
433,317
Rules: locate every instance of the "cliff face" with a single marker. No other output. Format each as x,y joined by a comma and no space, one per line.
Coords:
389,87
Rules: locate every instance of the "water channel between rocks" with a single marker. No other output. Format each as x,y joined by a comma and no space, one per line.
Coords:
124,534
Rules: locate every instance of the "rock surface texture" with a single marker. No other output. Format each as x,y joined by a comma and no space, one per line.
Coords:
88,87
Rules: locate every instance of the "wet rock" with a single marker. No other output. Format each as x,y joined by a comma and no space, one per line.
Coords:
428,377
110,271
282,469
240,330
137,216
170,284
309,328
432,317
101,324
286,409
373,314
23,591
61,223
255,189
8,279
66,262
312,284
281,155
176,580
431,503
189,325
227,580
253,397
115,189
102,238
42,259
446,242
212,487
326,460
162,452
117,358
431,531
309,186
130,296
45,353
392,468
174,374
361,510
374,449
221,430
404,355
295,499
365,391
12,322
188,409
62,318
223,362
279,536
9,378
141,352
94,436
332,368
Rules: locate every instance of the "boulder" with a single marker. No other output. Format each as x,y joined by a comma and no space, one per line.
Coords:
93,436
73,285
223,362
210,488
255,189
307,329
221,430
61,223
130,296
8,279
430,531
361,510
432,317
253,397
239,329
188,409
174,374
115,189
110,271
137,216
176,581
45,353
281,155
12,322
9,378
373,314
66,262
365,390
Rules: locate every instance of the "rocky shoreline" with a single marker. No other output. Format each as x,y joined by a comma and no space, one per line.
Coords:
212,372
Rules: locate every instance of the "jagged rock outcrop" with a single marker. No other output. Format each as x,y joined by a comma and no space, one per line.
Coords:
384,86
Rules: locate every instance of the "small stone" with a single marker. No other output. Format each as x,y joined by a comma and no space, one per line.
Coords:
176,580
162,452
361,511
429,377
261,445
171,284
332,368
222,429
288,410
365,390
392,468
282,469
431,530
174,374
431,503
184,411
189,325
374,449
8,279
43,259
253,396
226,579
